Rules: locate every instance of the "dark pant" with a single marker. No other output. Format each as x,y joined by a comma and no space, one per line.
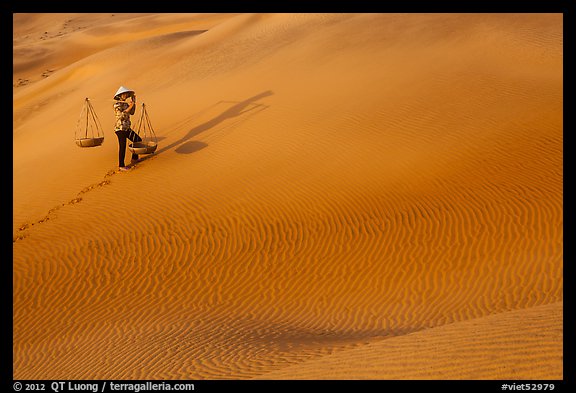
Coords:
122,136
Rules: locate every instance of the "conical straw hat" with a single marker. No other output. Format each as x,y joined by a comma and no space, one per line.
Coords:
121,90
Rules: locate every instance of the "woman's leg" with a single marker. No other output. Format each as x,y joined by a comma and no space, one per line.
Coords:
121,147
134,138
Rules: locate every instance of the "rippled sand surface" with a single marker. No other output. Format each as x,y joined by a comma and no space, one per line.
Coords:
369,196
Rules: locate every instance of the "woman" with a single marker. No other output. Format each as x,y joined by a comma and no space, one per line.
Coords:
123,110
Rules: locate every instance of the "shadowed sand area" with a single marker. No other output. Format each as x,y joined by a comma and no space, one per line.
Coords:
377,196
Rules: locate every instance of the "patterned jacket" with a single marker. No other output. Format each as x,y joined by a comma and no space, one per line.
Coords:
122,118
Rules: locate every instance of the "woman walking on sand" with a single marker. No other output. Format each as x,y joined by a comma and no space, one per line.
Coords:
123,110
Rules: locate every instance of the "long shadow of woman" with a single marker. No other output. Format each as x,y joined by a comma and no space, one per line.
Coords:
234,111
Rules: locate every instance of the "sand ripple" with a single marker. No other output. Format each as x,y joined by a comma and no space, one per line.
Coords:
333,190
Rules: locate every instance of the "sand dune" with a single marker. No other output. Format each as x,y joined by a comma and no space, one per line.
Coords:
492,347
322,182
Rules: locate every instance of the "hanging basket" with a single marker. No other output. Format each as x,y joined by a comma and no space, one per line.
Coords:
90,142
89,131
144,130
143,147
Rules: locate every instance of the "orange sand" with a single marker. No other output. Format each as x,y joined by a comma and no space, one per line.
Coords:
361,195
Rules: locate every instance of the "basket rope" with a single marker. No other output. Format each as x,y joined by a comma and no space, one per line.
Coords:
92,123
144,127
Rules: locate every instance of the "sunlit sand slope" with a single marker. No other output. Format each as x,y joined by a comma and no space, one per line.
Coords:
326,187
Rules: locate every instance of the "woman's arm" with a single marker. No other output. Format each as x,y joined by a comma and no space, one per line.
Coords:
132,106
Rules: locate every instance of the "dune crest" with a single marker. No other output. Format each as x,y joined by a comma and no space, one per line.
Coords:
521,345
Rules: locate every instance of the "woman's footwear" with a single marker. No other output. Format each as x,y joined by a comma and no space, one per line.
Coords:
124,168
